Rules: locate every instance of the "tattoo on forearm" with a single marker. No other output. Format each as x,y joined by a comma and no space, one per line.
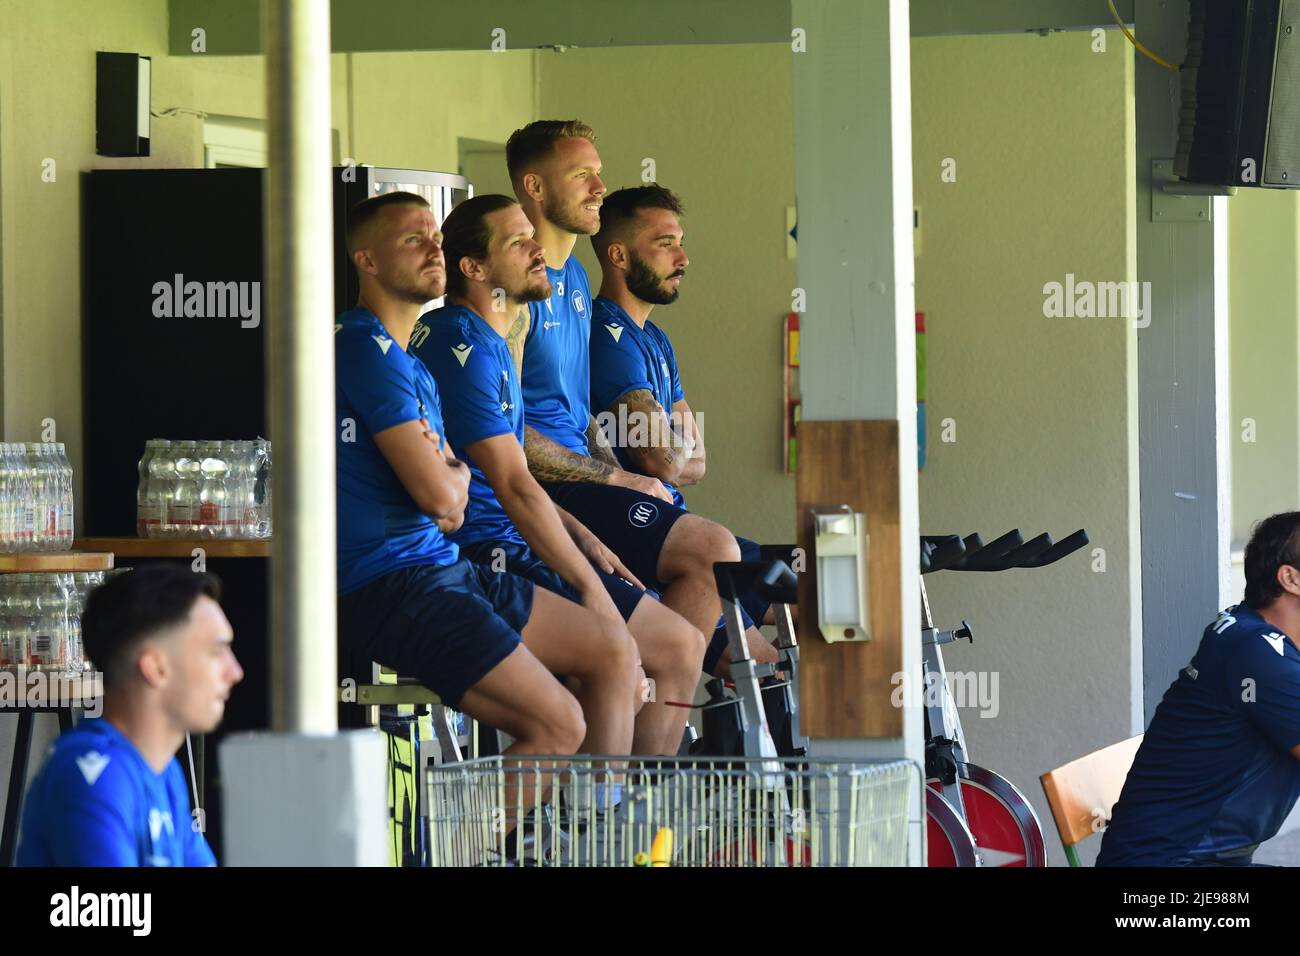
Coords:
549,461
660,436
598,444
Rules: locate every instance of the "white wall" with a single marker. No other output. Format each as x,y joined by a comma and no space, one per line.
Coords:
1044,410
716,121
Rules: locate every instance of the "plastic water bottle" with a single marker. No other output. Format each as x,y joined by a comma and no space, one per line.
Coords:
162,478
184,509
7,500
44,521
154,489
48,644
29,491
13,502
232,517
13,635
214,509
262,488
67,506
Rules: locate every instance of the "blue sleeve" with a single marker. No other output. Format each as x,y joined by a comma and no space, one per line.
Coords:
617,367
470,395
678,393
376,381
86,825
90,834
1264,686
197,851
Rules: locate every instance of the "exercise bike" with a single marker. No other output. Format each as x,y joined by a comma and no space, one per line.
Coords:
755,713
975,817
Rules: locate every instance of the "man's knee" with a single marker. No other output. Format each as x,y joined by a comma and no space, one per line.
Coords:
703,544
618,661
688,646
561,728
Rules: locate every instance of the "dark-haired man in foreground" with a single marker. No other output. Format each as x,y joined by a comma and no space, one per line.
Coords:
1219,767
111,792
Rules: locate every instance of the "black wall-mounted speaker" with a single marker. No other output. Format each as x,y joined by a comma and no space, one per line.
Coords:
122,104
1240,119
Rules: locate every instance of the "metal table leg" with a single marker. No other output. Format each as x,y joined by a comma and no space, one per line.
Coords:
17,788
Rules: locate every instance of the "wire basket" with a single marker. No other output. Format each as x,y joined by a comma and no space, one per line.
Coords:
596,811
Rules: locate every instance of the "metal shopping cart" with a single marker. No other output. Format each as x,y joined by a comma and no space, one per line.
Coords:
679,811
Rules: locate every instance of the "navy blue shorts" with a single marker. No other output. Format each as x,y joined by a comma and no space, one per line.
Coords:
632,525
445,625
520,561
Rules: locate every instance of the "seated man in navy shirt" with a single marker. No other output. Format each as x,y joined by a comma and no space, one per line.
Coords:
487,643
494,269
635,385
1219,767
111,792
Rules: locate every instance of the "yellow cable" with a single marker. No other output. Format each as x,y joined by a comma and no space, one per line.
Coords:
1134,40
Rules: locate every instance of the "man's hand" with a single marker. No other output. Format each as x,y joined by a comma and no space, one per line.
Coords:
594,550
642,483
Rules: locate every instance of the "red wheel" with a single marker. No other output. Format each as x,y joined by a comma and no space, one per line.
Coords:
1004,826
948,841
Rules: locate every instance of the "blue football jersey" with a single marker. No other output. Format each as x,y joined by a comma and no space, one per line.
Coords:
96,802
378,385
625,357
555,369
481,399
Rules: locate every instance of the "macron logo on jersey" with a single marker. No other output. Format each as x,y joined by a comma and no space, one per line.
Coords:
1277,640
91,765
382,342
461,352
615,330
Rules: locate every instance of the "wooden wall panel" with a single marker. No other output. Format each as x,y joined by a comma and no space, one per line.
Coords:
846,687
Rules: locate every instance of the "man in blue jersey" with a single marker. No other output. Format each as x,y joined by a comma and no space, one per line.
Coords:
111,792
494,269
1219,767
636,391
488,644
555,171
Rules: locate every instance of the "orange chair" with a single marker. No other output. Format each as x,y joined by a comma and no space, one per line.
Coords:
1082,792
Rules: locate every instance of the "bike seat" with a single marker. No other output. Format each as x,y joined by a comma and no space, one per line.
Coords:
771,580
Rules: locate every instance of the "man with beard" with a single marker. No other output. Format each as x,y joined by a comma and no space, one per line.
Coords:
634,380
555,170
487,643
494,268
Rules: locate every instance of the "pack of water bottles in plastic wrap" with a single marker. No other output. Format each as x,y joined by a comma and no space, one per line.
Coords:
204,489
36,507
40,619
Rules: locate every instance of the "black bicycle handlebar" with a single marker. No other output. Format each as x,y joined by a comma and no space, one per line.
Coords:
952,553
